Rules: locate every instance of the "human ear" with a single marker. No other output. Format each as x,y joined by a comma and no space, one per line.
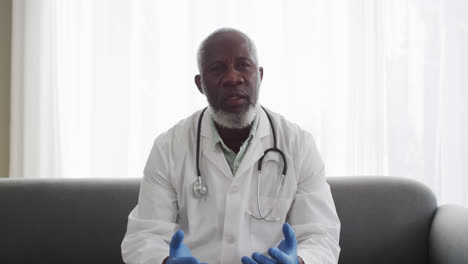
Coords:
198,83
261,72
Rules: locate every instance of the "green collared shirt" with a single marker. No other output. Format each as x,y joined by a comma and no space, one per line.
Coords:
232,159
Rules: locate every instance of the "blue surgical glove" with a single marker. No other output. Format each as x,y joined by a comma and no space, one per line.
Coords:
285,253
179,253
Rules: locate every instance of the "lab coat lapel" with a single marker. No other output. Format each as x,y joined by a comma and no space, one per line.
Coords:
212,153
261,142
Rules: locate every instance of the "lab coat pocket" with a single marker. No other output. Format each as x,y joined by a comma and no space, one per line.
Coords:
267,233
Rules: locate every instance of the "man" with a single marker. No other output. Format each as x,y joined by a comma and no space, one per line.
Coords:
233,213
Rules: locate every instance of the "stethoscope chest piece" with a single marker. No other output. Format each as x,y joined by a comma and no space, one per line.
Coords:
199,189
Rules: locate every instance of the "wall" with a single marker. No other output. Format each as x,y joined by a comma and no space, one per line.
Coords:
5,54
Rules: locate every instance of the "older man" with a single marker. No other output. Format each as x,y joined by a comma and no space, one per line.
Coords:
204,196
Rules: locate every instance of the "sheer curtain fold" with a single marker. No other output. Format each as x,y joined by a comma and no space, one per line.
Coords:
34,149
380,84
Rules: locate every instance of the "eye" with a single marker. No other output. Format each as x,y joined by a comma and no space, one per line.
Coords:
244,64
216,68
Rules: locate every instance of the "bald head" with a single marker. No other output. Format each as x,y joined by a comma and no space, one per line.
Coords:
223,33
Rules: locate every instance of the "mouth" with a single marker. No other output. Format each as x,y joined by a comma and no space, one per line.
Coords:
235,100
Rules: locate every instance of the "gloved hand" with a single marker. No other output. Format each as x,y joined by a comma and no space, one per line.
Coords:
285,253
179,253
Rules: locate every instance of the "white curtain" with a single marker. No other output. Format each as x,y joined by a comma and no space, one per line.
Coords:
381,84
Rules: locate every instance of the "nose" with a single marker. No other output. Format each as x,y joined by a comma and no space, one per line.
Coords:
232,78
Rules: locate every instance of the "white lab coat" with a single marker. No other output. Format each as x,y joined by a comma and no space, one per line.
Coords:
217,227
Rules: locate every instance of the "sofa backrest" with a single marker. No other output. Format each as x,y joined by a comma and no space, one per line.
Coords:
384,219
64,221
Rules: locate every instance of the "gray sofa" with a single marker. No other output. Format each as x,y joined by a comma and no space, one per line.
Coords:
384,220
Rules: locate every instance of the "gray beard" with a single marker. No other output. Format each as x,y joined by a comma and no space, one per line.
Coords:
234,121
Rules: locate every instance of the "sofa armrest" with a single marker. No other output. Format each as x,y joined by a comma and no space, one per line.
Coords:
448,238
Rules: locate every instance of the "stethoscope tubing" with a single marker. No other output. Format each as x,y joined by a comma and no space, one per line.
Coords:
200,189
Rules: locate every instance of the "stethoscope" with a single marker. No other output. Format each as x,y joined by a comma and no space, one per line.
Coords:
200,189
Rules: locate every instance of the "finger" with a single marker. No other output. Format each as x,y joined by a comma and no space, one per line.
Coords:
262,259
289,235
185,260
247,260
177,239
278,255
